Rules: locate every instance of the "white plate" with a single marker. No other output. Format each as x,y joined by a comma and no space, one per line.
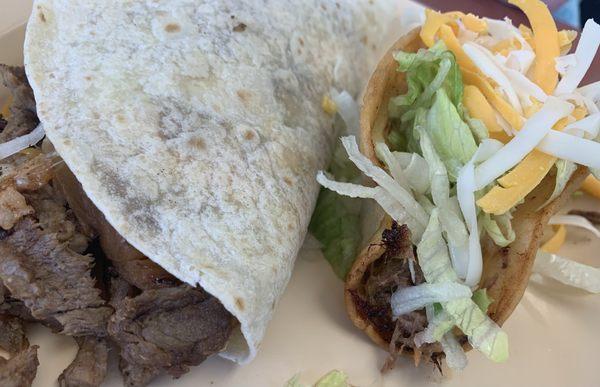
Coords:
554,333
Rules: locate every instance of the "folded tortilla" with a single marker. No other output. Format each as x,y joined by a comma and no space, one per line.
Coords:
506,271
196,127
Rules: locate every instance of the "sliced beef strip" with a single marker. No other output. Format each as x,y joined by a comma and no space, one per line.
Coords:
89,367
170,329
383,277
51,280
12,335
19,370
131,264
23,117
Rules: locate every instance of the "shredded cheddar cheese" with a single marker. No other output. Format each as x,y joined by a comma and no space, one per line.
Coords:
452,43
591,186
527,175
435,20
480,108
504,108
554,244
545,36
328,105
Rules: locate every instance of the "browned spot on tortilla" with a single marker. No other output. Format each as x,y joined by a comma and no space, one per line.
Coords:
241,27
301,41
172,27
88,77
120,118
41,14
244,95
67,142
95,115
290,226
323,7
364,40
287,180
249,135
197,143
239,303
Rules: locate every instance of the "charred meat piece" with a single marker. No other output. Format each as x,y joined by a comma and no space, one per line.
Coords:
131,264
89,367
169,329
51,280
20,370
23,117
383,277
12,335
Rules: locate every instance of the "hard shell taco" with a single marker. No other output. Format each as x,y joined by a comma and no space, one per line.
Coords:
473,134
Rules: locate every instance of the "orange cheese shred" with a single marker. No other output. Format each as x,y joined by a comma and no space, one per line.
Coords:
591,186
504,108
523,178
452,43
554,244
545,36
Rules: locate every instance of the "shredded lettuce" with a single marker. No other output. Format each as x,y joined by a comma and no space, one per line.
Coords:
335,223
481,299
427,71
437,326
422,69
478,128
294,382
334,378
498,227
411,298
483,333
451,136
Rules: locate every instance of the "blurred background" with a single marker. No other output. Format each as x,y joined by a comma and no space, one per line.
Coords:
570,13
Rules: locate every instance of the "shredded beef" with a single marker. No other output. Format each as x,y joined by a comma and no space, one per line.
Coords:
89,367
23,117
169,329
12,335
12,207
131,264
19,370
136,375
384,276
51,280
592,216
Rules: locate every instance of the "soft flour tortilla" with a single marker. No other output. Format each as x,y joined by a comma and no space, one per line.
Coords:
506,271
196,127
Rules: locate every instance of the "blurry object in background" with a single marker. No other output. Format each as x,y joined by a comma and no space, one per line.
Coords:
568,13
590,9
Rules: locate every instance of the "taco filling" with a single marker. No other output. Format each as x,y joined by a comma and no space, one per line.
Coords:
483,133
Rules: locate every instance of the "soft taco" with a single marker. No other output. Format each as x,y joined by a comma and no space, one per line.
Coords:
175,183
473,133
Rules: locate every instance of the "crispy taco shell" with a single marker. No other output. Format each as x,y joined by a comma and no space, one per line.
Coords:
506,270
